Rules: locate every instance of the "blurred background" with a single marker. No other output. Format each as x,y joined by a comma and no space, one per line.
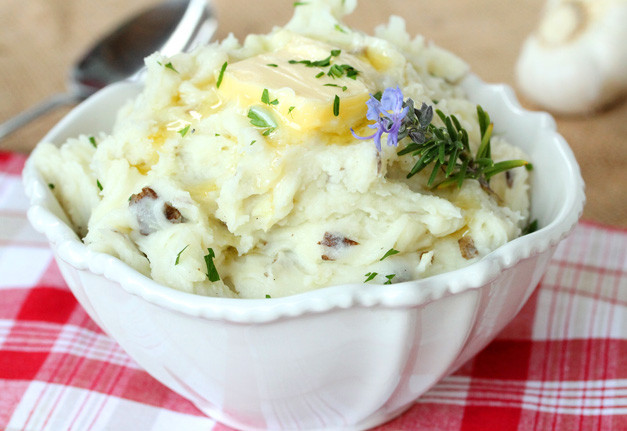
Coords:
40,40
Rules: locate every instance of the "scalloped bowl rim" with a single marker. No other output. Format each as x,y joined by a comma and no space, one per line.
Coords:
406,294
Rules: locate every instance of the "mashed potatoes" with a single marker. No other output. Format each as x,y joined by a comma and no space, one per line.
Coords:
235,173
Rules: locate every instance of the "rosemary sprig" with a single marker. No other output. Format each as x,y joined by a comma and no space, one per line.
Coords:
447,148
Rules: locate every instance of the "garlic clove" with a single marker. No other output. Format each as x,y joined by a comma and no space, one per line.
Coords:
576,60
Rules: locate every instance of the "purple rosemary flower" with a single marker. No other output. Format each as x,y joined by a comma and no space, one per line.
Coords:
388,114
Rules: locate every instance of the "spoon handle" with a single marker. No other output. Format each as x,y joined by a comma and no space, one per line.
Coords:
23,118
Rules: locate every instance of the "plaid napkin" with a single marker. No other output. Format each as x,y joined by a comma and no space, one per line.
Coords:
560,365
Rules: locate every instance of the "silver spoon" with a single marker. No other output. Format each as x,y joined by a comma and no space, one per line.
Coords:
170,27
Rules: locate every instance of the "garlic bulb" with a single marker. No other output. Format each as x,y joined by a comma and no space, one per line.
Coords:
576,60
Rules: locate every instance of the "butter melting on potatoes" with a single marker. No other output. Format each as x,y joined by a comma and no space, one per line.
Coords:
152,212
334,244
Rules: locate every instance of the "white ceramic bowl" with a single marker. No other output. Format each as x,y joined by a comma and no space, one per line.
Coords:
342,357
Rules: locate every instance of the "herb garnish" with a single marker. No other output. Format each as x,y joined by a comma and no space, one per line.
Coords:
300,3
335,70
272,65
336,105
326,62
389,253
447,146
369,276
268,296
260,118
340,29
51,186
343,87
178,256
92,141
338,70
531,227
221,75
265,98
253,141
289,111
99,185
212,272
171,67
184,131
388,110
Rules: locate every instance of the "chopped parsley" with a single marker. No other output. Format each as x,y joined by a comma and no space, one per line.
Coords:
370,276
340,29
389,253
268,296
253,141
289,111
212,272
531,227
338,70
260,118
300,3
221,75
335,70
99,185
336,105
265,98
325,62
178,256
343,87
92,141
272,65
389,278
171,67
51,186
184,131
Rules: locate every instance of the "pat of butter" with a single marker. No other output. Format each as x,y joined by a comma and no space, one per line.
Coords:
302,96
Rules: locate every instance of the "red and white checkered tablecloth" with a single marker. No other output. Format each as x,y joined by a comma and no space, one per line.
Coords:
560,365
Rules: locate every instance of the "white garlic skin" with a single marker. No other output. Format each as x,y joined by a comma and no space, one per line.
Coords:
576,60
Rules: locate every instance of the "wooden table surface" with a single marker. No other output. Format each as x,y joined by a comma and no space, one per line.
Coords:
40,39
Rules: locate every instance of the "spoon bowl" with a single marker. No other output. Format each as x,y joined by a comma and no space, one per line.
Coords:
169,27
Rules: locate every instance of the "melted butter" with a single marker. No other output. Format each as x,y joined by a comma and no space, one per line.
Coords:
158,138
142,168
145,167
202,192
177,125
194,114
378,58
303,102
